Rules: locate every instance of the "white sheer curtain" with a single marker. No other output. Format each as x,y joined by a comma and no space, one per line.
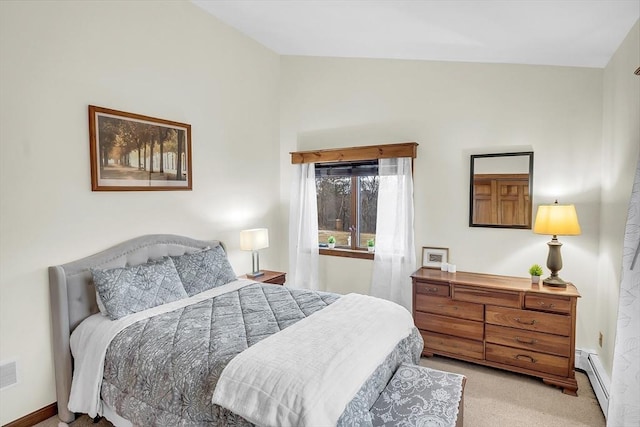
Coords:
395,257
303,229
624,406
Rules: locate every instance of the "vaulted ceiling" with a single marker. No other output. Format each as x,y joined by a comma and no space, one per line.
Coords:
581,33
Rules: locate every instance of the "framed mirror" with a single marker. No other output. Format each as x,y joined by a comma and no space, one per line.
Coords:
500,190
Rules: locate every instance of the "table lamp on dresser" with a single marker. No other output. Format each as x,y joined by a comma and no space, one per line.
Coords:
556,220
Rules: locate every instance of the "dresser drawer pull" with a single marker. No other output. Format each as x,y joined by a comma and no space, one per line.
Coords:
525,356
432,289
542,304
533,322
525,342
455,307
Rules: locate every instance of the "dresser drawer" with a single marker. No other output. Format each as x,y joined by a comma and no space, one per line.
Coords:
486,296
529,320
430,288
453,345
527,359
547,303
450,326
448,307
536,341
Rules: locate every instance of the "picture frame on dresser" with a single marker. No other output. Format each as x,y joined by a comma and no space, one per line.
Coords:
133,152
433,257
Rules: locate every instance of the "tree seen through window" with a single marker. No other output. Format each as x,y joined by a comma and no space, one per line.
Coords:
347,196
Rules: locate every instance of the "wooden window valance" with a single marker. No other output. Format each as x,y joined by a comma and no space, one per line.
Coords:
350,154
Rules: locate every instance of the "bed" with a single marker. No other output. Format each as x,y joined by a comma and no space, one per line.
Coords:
245,322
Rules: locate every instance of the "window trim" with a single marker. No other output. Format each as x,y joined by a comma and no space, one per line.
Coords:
347,253
351,154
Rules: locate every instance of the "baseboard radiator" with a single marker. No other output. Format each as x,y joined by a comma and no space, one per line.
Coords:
589,362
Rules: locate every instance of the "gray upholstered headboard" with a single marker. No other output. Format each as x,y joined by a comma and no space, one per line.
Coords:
73,296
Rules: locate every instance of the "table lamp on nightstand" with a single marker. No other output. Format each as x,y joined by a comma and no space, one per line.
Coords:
252,240
556,220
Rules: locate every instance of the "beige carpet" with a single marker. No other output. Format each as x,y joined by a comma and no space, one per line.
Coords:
495,398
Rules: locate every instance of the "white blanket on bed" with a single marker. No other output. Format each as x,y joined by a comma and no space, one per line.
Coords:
90,340
306,374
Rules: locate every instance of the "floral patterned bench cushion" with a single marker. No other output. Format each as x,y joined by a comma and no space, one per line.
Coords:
419,396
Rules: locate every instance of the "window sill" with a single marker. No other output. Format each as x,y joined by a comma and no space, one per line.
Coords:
347,253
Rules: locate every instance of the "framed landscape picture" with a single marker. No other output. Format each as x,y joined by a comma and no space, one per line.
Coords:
132,152
434,257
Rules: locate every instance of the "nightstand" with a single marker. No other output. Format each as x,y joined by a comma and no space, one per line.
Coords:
273,277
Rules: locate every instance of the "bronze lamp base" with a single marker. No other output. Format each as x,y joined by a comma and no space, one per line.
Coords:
554,263
556,282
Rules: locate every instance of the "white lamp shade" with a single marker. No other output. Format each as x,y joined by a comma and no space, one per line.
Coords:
560,220
254,239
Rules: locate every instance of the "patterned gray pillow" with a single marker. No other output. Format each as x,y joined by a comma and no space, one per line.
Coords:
127,290
204,270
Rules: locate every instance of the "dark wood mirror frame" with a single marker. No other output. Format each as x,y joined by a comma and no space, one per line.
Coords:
501,198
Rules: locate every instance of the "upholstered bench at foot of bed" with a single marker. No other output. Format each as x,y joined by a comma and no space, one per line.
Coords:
419,396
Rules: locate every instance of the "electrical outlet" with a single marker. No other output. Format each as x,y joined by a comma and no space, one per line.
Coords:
600,340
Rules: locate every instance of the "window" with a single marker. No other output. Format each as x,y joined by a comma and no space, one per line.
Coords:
347,193
347,196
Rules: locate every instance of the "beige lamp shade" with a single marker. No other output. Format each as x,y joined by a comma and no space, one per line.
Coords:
254,239
557,220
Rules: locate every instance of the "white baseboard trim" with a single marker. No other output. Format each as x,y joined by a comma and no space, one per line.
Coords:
589,362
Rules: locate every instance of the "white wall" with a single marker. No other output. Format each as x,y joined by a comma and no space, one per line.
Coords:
176,62
170,60
620,150
454,110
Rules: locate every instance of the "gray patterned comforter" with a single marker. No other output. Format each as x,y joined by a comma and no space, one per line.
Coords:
162,371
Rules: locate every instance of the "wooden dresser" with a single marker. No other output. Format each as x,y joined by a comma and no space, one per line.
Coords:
499,321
